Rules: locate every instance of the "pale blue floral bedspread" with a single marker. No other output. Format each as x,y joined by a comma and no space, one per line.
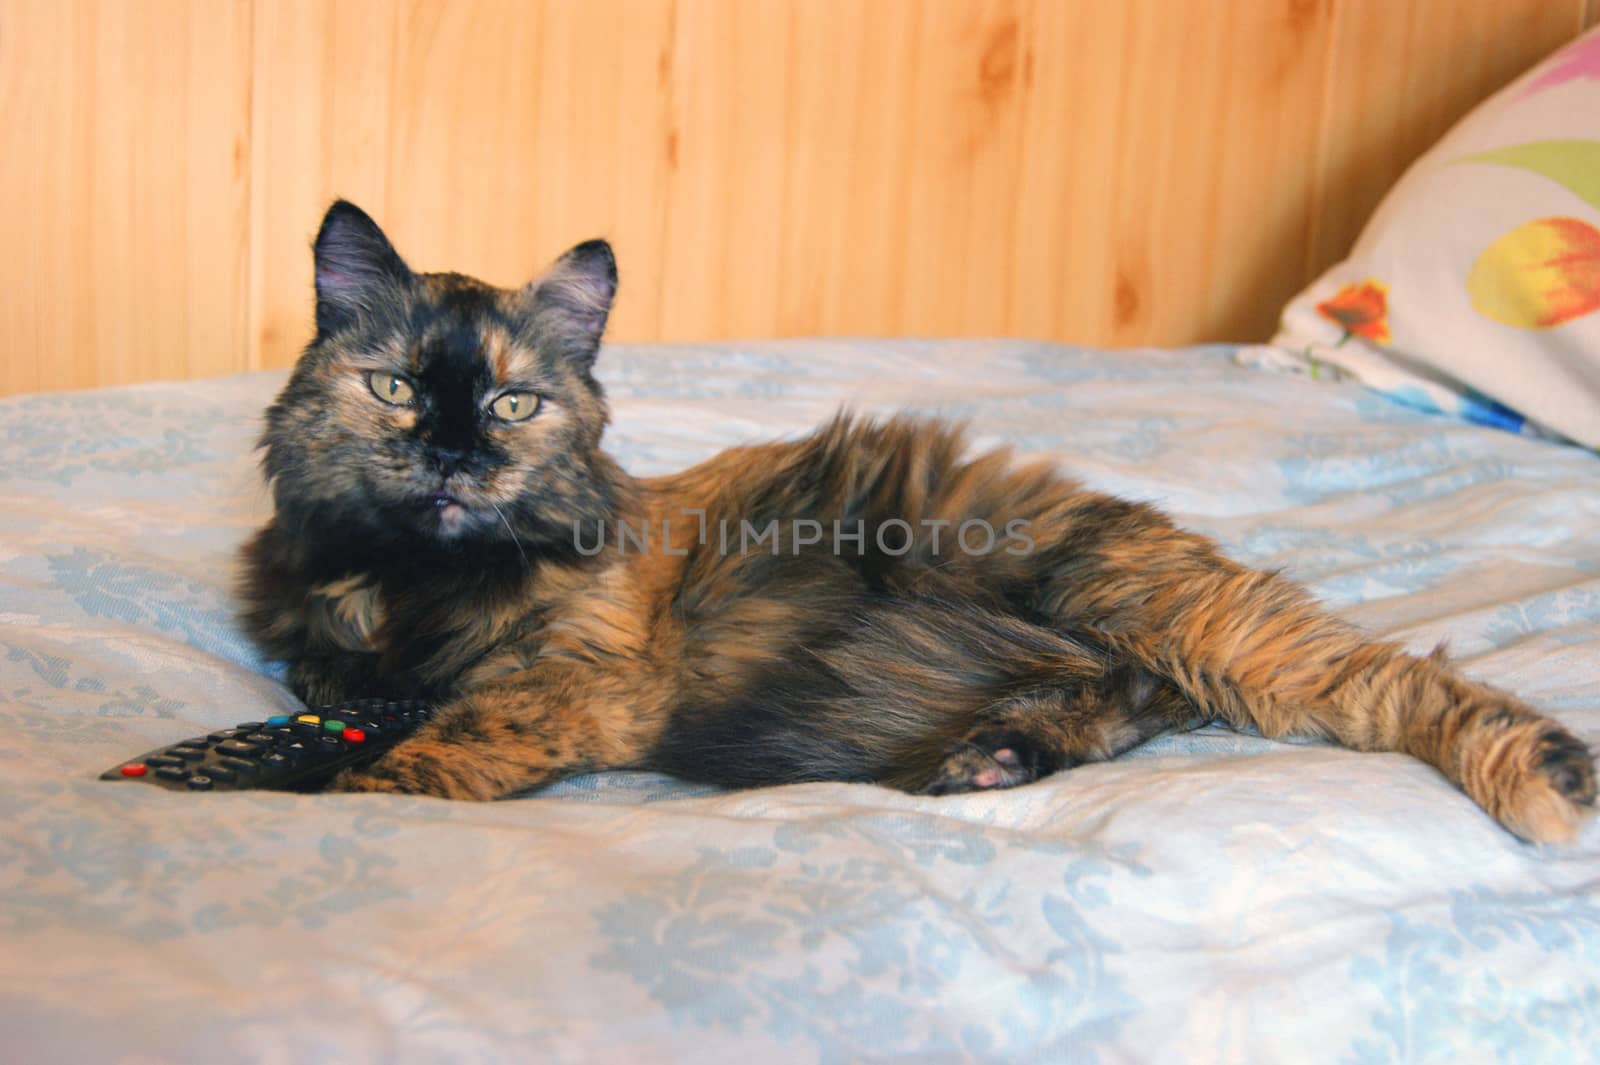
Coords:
1210,897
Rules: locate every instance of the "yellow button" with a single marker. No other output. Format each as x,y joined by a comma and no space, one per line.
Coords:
309,719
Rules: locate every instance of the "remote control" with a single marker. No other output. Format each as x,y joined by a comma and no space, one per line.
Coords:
289,752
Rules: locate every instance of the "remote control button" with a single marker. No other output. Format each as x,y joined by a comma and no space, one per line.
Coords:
260,737
162,760
238,765
135,769
191,754
225,734
353,735
330,743
333,724
277,761
168,772
278,720
239,748
248,726
219,772
200,783
309,719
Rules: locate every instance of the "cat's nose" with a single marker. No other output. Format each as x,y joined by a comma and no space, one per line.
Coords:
449,461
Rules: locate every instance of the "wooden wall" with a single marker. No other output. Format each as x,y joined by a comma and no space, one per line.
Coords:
1101,171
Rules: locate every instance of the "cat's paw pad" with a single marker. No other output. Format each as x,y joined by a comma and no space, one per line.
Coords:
989,760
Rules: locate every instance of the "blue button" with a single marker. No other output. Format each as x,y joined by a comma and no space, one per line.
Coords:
280,720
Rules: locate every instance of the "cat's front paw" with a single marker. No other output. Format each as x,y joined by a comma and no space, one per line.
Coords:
420,767
359,780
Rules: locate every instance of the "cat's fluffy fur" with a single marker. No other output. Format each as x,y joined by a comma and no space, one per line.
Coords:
421,543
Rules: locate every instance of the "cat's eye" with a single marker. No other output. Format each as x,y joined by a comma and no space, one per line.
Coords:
515,406
391,388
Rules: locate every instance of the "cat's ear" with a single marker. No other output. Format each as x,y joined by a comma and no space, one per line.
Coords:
572,299
358,270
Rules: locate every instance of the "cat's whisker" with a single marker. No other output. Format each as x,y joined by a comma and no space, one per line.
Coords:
525,563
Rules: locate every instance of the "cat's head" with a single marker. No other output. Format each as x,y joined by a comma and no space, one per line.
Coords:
433,411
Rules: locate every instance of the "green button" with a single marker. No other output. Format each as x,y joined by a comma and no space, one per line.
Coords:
331,725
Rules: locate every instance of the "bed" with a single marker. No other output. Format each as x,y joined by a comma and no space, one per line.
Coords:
1209,896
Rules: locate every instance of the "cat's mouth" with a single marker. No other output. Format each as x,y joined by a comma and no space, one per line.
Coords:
450,510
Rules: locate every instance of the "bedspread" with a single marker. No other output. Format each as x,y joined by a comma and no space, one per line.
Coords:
1211,896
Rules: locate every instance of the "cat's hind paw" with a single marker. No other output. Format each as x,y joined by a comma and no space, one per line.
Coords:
1536,778
988,759
1554,792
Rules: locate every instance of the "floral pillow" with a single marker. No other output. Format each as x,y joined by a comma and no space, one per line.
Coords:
1475,287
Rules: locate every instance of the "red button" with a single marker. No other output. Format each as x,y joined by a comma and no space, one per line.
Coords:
354,735
134,769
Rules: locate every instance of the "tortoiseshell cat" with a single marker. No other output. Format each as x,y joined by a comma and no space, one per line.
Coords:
446,523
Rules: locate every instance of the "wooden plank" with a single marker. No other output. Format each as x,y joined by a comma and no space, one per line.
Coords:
1144,172
720,253
498,166
486,137
323,123
1209,163
125,190
969,92
1401,76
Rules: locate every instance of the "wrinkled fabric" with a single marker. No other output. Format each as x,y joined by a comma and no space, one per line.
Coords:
1209,896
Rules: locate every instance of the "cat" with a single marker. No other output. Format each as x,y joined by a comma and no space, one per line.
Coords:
447,525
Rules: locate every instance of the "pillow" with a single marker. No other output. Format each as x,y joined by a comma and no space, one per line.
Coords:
1475,287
